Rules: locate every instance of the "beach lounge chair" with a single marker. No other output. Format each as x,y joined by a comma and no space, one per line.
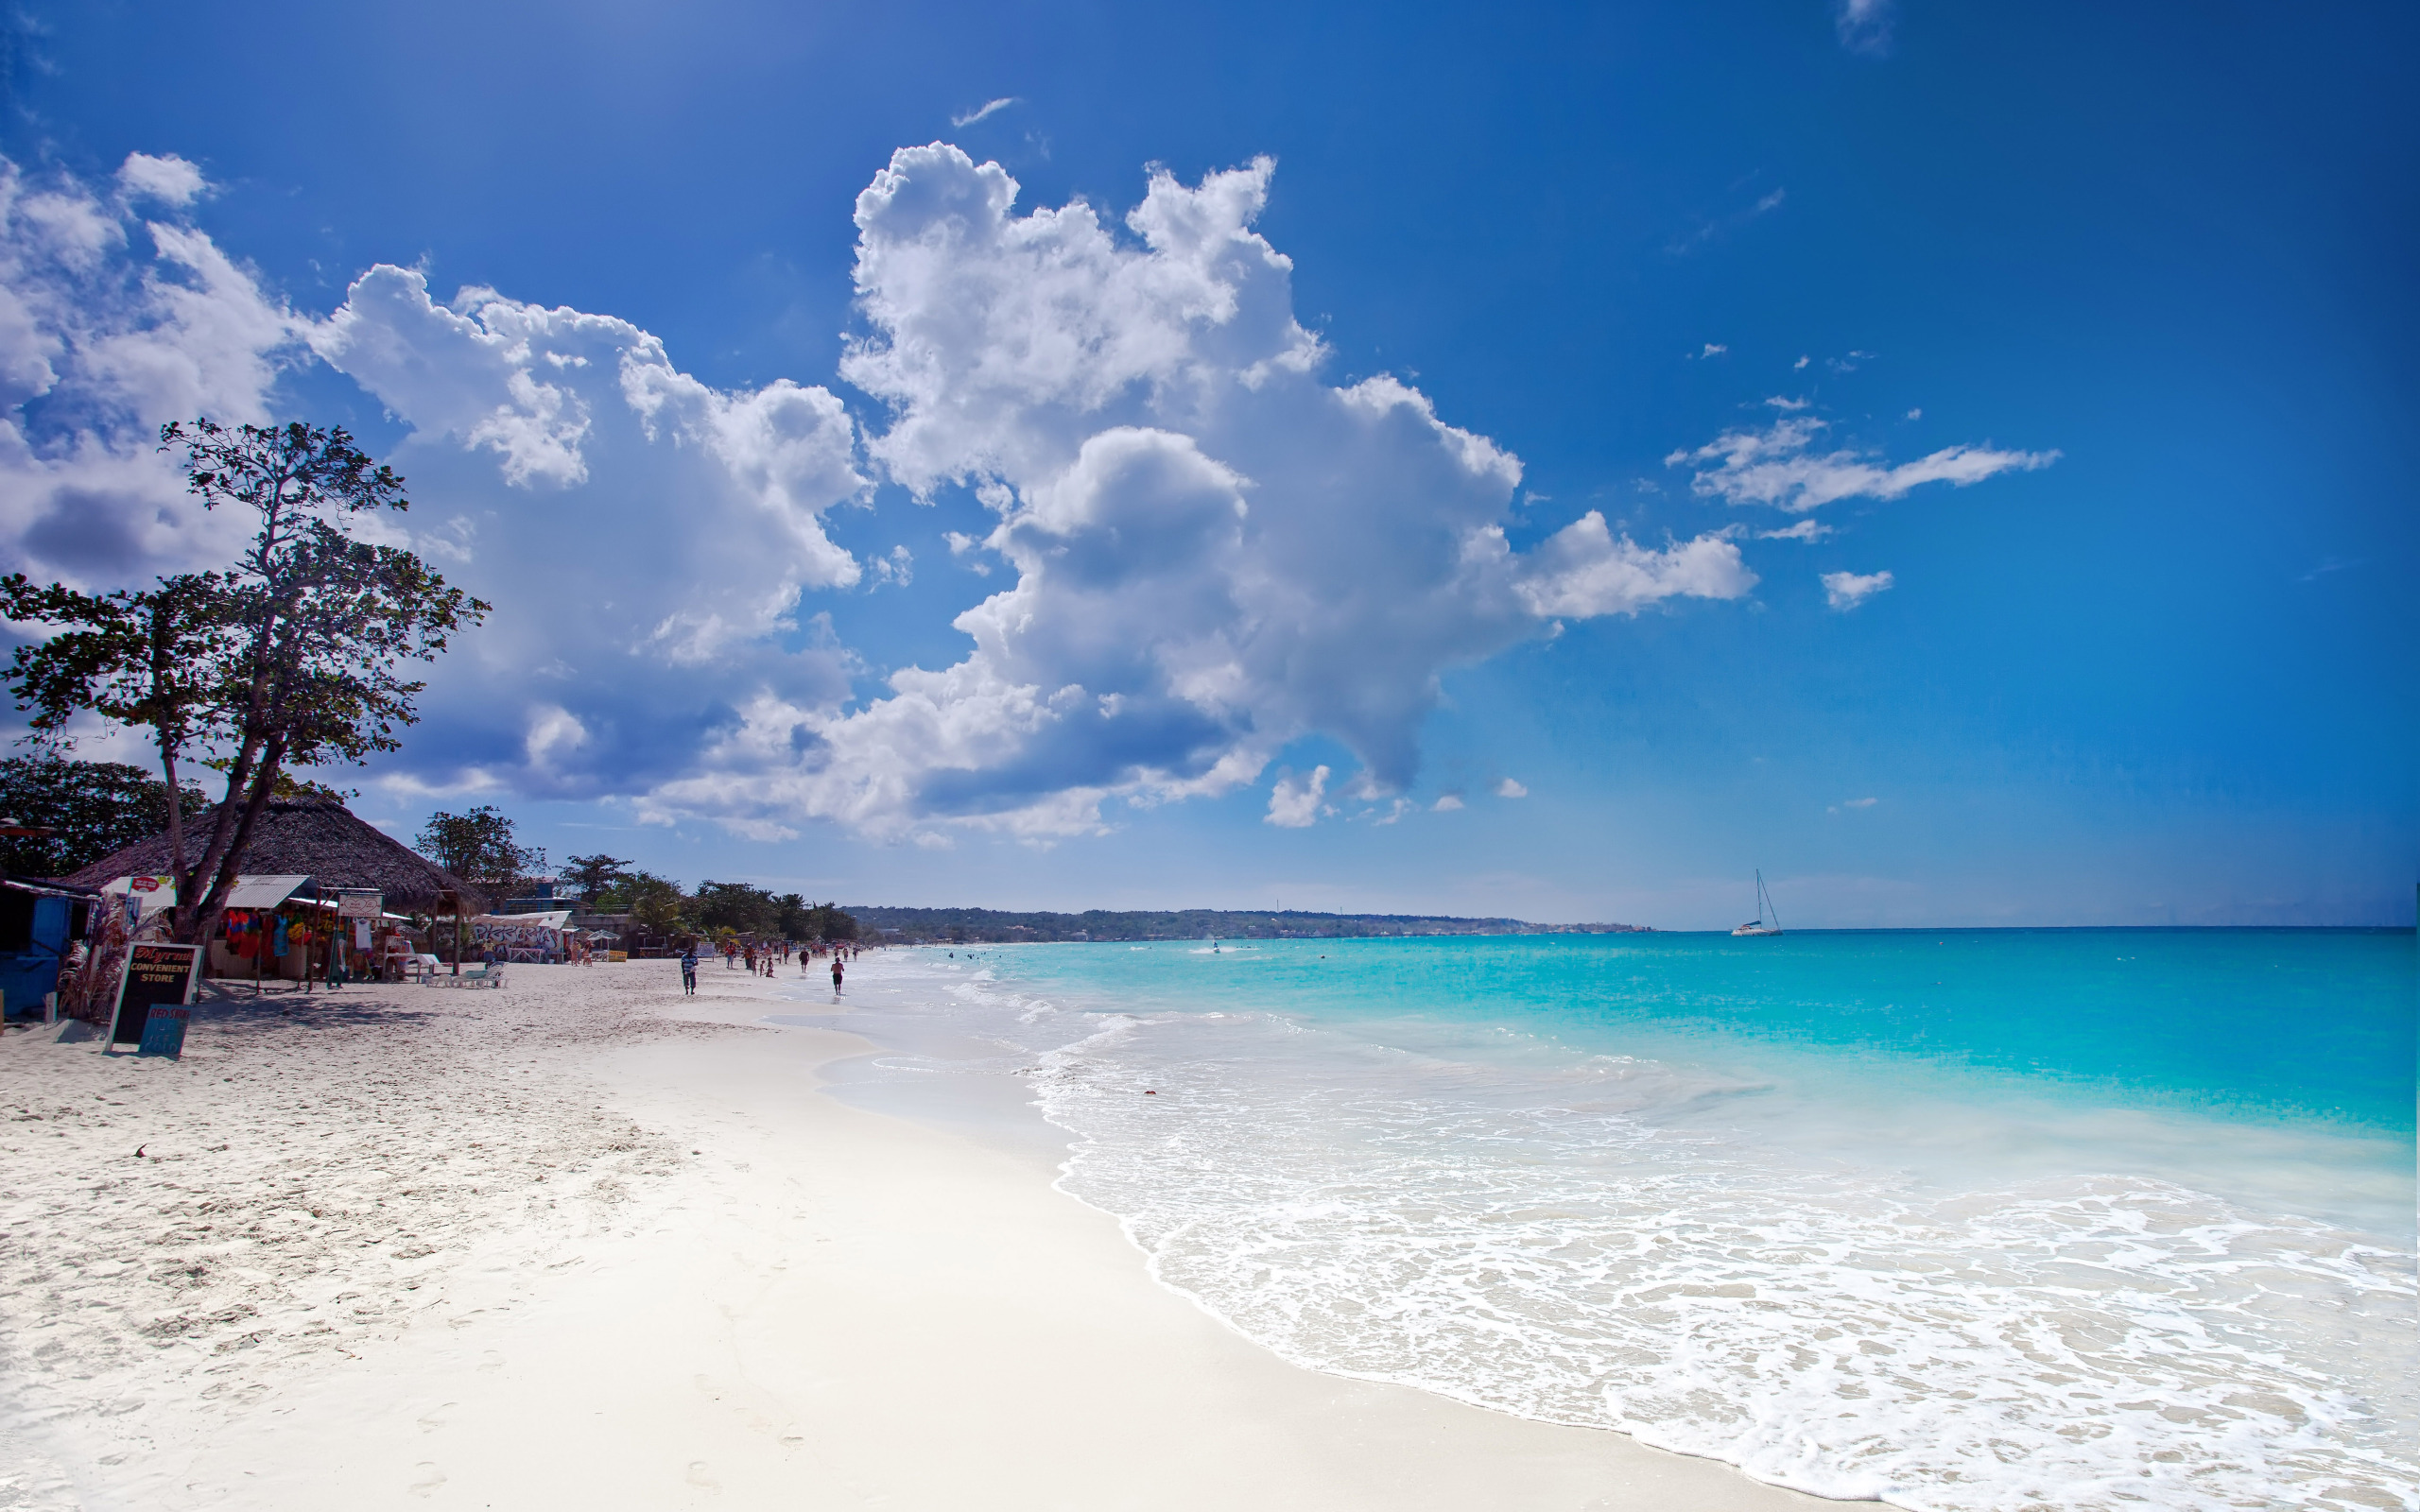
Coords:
488,973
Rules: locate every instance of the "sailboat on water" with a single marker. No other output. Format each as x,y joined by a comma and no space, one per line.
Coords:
1764,908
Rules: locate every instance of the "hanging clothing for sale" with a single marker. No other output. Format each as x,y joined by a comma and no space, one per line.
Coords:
362,934
280,942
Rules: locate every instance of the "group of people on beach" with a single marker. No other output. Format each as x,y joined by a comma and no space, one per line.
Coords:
761,959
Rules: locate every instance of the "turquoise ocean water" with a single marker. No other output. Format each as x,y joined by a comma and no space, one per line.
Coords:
1964,1219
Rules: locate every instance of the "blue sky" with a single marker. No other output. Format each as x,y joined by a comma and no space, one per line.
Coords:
2129,286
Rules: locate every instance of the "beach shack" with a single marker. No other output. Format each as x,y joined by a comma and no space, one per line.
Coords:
286,917
40,922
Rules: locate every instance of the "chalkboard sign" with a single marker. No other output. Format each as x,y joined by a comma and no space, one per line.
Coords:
163,1033
158,975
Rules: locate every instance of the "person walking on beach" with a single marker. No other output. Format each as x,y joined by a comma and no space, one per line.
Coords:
835,973
690,971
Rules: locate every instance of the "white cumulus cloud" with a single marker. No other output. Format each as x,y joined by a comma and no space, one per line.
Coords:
1216,550
651,536
1509,788
110,327
1846,590
1583,570
171,180
1294,801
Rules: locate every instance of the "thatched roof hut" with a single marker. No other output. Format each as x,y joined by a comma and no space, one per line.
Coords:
318,837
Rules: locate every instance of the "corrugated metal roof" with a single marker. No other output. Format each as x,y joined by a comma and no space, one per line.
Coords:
266,891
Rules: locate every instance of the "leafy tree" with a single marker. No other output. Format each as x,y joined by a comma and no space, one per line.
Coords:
594,876
826,921
294,656
656,903
735,906
150,658
94,808
479,847
792,919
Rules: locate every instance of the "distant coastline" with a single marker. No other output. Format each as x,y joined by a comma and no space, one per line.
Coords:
998,927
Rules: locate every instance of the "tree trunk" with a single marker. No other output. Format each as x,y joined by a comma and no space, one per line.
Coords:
176,837
190,884
222,880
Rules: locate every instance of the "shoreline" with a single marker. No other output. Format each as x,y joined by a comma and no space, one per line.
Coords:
738,1290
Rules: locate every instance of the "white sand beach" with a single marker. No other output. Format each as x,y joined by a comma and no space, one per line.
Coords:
585,1242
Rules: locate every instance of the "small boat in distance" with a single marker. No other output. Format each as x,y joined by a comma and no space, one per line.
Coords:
1764,906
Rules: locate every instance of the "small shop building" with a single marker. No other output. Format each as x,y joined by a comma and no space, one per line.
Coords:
286,915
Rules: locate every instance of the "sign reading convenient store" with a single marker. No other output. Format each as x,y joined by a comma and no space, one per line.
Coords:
157,975
358,903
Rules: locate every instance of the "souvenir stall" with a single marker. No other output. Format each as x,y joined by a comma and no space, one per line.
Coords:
304,858
275,928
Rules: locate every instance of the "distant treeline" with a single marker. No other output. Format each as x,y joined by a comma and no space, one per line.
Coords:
991,925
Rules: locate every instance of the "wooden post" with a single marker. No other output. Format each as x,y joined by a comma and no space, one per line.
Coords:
453,901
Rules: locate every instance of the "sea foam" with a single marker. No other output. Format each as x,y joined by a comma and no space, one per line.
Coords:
1630,1242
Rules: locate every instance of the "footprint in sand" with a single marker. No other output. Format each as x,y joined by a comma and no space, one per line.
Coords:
432,1422
702,1475
430,1478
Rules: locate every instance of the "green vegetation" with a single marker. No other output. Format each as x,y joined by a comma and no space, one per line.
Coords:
594,876
478,848
736,908
92,808
656,904
986,924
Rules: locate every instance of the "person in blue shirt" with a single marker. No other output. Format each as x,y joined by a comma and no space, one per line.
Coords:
689,971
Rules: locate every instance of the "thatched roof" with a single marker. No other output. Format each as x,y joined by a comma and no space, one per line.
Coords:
316,836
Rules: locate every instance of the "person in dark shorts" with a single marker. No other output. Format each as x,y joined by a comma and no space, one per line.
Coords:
835,973
690,971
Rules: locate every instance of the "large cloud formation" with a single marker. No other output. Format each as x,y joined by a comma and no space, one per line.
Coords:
1215,552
